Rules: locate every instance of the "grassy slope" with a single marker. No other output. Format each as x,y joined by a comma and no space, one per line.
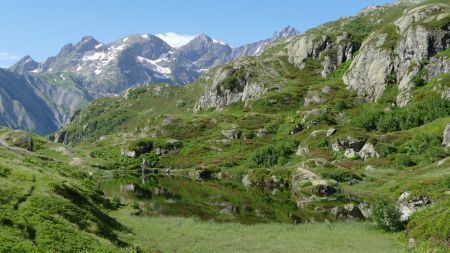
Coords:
49,205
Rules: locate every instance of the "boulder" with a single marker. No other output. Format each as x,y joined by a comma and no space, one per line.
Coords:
331,131
317,133
353,212
169,147
302,150
408,204
354,144
350,153
261,132
246,181
231,134
312,98
446,136
128,153
370,168
60,137
23,141
365,210
368,151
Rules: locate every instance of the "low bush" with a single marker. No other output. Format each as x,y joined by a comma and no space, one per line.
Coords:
387,217
404,118
271,155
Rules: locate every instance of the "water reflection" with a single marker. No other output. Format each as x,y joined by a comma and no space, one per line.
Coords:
227,202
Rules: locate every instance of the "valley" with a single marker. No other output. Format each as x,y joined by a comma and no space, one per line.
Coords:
333,140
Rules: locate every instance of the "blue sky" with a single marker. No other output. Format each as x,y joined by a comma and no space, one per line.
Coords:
41,28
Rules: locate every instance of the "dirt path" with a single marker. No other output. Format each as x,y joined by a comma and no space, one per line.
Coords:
306,174
76,160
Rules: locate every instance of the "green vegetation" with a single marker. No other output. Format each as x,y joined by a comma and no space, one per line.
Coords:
91,196
273,154
189,235
387,216
405,118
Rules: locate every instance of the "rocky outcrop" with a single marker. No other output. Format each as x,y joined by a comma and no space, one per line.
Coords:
439,64
333,52
408,204
369,71
368,151
231,134
340,51
307,45
23,141
168,147
416,45
356,144
302,150
229,85
374,66
331,131
418,14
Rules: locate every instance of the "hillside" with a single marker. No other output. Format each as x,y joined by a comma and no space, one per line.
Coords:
345,127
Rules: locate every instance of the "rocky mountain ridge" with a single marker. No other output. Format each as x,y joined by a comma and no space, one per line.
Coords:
90,69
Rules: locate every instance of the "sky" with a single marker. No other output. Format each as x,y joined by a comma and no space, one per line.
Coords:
41,28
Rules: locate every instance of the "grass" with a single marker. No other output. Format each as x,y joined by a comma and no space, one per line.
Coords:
183,235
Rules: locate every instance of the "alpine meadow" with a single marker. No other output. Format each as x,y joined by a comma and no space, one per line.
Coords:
332,139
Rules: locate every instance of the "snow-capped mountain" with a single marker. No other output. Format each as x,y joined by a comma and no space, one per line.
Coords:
91,69
106,69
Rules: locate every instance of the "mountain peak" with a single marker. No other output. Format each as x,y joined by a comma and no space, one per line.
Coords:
202,37
286,32
87,43
25,65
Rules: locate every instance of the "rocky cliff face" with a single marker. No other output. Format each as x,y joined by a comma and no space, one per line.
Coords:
229,84
398,56
368,74
332,52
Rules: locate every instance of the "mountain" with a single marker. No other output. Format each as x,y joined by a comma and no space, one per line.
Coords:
25,115
350,118
258,47
340,135
91,69
108,69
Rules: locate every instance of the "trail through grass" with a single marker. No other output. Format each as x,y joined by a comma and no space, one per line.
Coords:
183,235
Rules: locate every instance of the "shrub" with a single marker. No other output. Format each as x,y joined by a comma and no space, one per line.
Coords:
273,154
4,172
426,148
152,160
368,120
387,217
413,115
405,160
231,82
